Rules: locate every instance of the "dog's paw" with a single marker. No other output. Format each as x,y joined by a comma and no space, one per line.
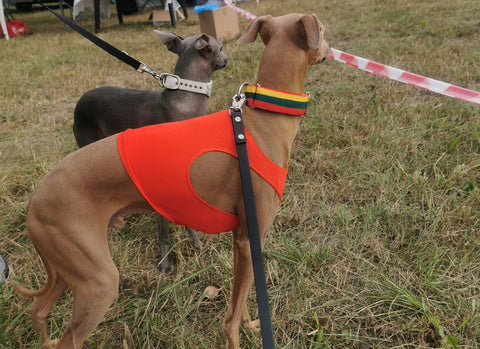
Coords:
251,325
50,344
164,266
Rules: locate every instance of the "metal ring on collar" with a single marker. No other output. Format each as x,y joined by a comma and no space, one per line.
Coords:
239,99
169,81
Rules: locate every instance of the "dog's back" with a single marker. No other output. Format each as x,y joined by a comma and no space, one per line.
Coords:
108,110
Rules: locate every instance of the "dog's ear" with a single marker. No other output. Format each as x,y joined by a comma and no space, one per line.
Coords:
171,40
203,43
313,30
260,26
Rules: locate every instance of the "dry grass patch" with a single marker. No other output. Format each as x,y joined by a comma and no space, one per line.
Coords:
377,241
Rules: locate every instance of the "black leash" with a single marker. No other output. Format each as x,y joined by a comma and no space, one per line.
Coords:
252,224
165,80
97,41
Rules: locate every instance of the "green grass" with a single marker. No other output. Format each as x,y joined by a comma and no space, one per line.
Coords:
377,241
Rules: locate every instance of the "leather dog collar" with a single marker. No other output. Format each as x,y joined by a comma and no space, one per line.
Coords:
174,82
276,101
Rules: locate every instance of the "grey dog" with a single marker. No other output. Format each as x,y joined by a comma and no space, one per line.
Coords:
105,111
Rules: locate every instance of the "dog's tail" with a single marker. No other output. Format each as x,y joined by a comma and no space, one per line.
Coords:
28,293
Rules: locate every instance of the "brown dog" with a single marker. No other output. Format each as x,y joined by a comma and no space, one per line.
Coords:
73,205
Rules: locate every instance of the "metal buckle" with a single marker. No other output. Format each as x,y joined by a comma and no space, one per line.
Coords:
145,69
169,81
174,82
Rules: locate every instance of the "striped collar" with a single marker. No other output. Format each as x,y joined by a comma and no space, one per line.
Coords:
276,101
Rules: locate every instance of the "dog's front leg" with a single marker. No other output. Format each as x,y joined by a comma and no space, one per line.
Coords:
237,312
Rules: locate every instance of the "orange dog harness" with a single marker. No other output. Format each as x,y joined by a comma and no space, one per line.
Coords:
158,158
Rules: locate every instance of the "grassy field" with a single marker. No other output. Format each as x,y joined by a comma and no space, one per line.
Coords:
377,241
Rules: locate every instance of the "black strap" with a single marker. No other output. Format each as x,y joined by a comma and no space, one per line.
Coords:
253,231
97,41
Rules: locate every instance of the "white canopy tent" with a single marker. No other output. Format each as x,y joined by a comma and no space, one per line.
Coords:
2,20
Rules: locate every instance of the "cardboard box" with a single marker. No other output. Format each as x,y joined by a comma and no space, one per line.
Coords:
160,16
163,16
221,23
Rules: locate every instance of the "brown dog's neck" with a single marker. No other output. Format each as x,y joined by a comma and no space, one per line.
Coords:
275,132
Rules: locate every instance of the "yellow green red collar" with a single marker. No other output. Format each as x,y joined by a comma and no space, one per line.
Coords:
276,101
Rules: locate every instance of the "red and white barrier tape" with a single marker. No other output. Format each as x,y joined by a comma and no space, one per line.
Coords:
390,72
406,77
244,13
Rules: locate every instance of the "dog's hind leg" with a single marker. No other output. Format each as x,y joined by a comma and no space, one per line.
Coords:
41,307
163,232
163,244
85,130
92,296
195,240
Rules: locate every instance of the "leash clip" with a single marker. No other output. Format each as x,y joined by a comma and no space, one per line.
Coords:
239,99
145,69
